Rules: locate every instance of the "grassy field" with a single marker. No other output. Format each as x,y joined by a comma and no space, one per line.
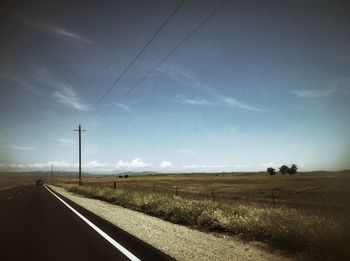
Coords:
311,214
17,178
320,192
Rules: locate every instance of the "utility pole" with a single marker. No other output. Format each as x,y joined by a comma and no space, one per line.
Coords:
51,173
80,130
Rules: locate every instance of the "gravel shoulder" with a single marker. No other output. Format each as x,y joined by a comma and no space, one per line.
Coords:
180,242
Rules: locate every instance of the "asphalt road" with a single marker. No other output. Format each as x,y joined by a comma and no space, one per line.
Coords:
35,225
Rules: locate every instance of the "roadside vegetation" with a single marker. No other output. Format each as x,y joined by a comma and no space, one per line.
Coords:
293,229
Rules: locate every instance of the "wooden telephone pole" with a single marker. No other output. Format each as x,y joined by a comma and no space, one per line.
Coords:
51,172
79,130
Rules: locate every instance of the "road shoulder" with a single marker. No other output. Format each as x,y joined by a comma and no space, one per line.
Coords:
180,242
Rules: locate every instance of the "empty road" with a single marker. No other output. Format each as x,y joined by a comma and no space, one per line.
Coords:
36,225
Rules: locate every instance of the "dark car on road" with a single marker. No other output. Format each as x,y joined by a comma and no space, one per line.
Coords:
39,182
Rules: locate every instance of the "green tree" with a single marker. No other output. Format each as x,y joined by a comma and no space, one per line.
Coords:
271,171
284,169
293,169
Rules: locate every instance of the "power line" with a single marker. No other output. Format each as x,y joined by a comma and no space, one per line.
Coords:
139,54
206,19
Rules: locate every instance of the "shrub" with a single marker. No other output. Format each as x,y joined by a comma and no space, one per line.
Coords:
271,171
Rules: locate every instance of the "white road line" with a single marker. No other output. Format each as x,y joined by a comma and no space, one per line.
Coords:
98,230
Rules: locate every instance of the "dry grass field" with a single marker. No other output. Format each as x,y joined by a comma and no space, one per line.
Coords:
17,178
319,192
310,217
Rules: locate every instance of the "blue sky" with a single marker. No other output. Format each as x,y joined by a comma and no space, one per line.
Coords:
261,83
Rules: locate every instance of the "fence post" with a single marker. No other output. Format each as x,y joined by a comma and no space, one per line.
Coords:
212,194
114,185
273,199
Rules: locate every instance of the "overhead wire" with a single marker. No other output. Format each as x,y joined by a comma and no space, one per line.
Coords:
205,20
139,54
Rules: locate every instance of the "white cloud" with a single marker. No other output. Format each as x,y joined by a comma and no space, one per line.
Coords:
122,106
65,165
60,164
67,35
231,102
194,101
15,166
60,91
314,93
269,164
59,32
66,142
67,95
64,93
135,163
23,148
55,164
180,76
188,79
95,164
165,164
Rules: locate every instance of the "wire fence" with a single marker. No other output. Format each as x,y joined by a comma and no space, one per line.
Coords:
217,193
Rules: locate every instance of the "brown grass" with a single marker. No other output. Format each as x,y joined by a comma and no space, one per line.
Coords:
323,193
311,214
